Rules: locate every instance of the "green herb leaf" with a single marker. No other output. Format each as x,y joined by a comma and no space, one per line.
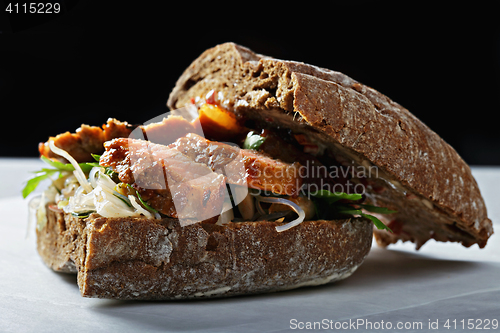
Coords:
32,183
332,197
379,210
96,157
379,224
58,165
44,173
253,141
83,215
349,209
123,198
86,167
148,207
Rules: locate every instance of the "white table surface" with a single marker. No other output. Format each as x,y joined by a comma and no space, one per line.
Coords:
397,285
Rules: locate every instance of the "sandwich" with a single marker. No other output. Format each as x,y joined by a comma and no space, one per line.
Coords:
267,175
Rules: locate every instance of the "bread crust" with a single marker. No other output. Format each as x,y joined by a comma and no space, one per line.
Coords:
133,258
426,180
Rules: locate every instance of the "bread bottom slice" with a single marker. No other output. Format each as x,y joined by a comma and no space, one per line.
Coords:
133,258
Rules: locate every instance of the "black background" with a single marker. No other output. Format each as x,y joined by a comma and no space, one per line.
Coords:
94,61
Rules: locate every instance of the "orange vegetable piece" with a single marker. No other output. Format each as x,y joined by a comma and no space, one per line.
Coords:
218,123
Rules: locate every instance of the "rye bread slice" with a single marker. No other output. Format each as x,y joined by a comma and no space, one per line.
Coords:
418,173
145,259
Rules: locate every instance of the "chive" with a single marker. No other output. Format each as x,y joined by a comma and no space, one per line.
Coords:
82,215
122,198
325,199
96,157
148,207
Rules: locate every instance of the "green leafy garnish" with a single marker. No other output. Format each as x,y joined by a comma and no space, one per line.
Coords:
47,173
59,166
375,209
253,141
328,202
83,215
348,210
332,197
33,182
96,157
379,224
123,198
148,207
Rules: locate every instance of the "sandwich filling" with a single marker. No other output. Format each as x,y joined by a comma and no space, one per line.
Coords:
210,169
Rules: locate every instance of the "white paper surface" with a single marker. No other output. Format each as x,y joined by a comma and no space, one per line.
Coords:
395,286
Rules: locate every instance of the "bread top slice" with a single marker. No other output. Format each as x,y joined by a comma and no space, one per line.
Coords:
416,172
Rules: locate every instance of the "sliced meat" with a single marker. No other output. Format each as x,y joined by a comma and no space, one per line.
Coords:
80,145
316,174
170,181
276,146
242,166
116,129
168,130
90,139
312,170
85,141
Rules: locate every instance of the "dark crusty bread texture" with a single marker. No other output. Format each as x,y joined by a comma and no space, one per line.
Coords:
423,177
133,258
